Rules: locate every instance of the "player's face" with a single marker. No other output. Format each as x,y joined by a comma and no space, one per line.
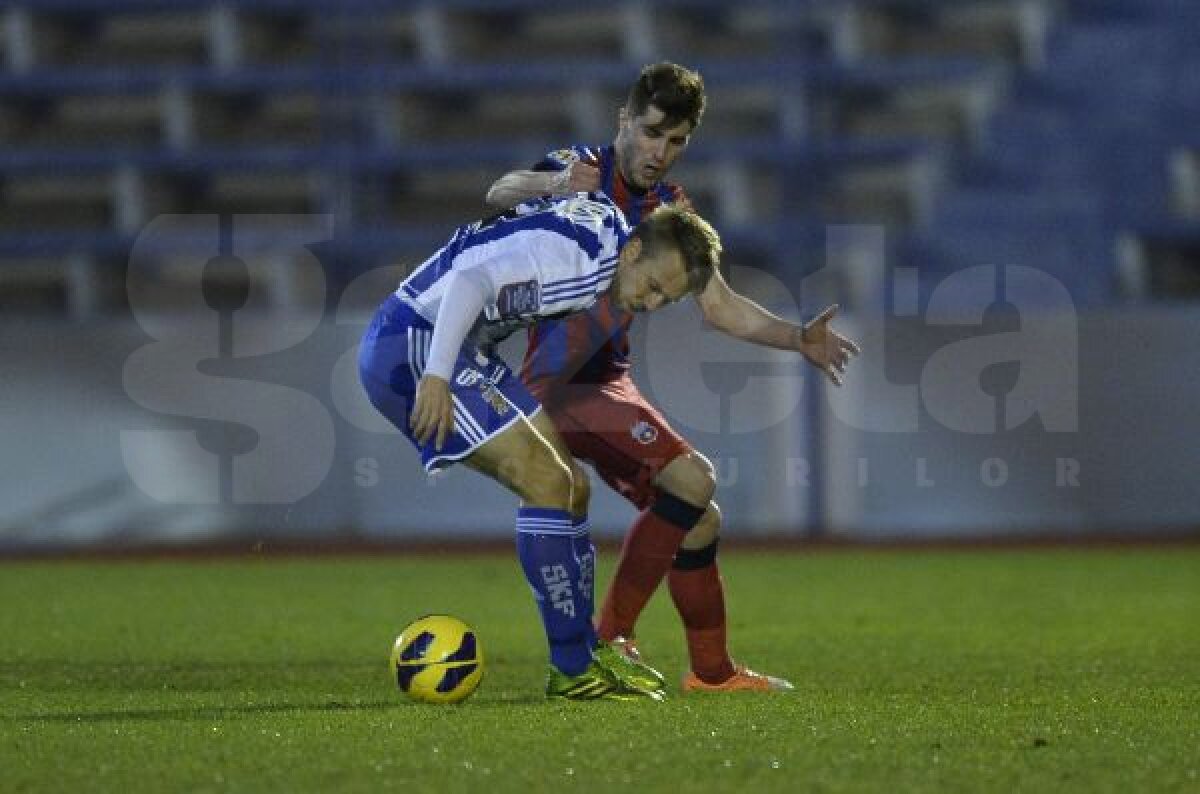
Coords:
647,146
644,283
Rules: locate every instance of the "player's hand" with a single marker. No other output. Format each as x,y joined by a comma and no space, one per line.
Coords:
582,178
825,348
433,411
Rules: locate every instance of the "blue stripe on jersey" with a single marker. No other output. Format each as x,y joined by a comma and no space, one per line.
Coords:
426,275
595,288
575,295
665,195
549,221
578,290
587,281
551,286
465,238
440,263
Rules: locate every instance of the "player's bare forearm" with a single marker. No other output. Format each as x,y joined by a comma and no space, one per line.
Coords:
743,319
819,343
517,186
754,324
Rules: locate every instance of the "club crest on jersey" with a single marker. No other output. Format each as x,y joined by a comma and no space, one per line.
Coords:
644,433
496,400
517,299
487,388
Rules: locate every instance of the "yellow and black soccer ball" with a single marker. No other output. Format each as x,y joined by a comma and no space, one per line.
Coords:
438,659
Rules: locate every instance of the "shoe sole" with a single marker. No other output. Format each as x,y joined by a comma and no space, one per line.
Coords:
771,690
657,697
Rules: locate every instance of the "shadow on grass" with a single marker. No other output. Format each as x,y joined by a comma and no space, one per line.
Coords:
59,675
190,713
202,712
219,680
170,682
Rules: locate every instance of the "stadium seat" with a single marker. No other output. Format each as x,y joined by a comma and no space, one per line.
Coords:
396,116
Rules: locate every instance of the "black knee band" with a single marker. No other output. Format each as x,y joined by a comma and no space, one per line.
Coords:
675,511
695,559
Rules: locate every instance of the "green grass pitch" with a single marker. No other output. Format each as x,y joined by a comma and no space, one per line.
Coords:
1032,670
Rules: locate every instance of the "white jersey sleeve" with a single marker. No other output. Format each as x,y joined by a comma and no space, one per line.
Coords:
466,293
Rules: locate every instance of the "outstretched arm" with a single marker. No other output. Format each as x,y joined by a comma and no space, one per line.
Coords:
740,317
517,186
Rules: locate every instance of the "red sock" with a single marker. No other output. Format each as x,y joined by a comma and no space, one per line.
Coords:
700,599
645,559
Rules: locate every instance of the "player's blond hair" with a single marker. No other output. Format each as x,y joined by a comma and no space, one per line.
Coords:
686,231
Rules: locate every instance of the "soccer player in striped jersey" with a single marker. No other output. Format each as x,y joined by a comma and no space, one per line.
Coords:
427,364
579,368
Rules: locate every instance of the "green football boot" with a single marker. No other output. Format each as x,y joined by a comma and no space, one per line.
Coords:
594,683
622,659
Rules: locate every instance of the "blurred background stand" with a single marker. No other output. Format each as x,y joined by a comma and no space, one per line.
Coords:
1058,135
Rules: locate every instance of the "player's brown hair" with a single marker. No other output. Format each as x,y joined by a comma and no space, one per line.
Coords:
675,90
683,229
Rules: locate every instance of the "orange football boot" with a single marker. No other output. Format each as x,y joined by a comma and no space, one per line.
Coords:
743,680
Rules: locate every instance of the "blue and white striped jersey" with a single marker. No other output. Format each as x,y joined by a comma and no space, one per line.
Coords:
548,257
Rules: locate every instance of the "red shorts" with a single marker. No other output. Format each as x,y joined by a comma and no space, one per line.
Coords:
614,428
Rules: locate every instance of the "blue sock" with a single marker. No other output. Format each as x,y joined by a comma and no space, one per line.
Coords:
585,556
546,546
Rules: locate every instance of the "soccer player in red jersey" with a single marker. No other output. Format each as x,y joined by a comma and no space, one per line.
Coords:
578,367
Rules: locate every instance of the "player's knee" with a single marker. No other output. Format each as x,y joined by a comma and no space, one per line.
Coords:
707,529
691,478
709,526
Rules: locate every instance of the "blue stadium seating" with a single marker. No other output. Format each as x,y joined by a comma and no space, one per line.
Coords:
1043,160
1079,153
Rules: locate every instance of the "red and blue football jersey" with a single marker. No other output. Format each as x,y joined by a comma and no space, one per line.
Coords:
592,346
